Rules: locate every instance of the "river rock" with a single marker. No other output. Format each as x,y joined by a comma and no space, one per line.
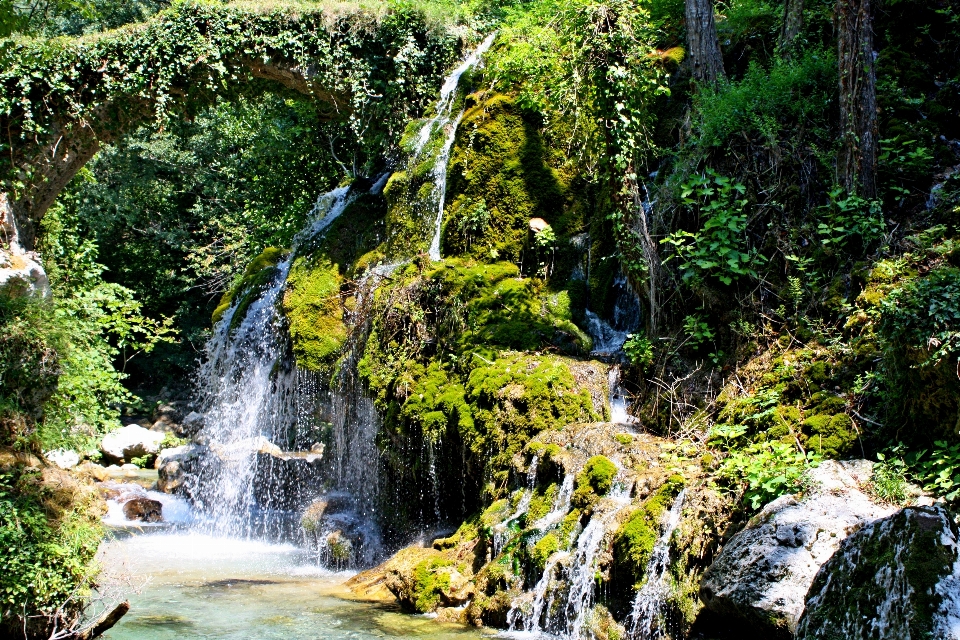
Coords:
898,577
762,575
131,441
176,468
191,424
63,458
143,510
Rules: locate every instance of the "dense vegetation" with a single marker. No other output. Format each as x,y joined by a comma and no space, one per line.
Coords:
787,315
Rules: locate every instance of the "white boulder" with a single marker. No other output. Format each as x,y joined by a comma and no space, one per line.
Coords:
762,575
131,441
63,458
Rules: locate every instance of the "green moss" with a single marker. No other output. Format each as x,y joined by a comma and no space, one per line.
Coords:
313,306
624,438
249,286
634,541
500,176
429,584
568,526
541,502
541,552
833,436
467,532
593,481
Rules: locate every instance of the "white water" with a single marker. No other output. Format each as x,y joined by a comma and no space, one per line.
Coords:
248,396
442,121
176,511
254,397
543,618
501,532
608,337
583,565
618,398
448,94
561,505
647,619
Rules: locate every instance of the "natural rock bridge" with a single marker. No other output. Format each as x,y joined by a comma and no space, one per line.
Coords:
62,99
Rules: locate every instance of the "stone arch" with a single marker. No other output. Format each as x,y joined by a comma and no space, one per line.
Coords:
61,100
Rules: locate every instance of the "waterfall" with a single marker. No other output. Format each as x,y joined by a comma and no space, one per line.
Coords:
582,566
618,398
648,616
579,568
501,532
608,337
248,391
560,507
253,398
442,121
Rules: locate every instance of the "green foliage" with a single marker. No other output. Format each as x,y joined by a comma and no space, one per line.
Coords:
937,470
639,350
186,56
49,533
849,218
61,361
719,249
919,331
698,331
768,102
889,478
763,471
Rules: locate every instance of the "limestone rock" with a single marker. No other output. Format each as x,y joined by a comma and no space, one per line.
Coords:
95,471
175,467
191,424
762,575
131,441
898,577
63,458
143,510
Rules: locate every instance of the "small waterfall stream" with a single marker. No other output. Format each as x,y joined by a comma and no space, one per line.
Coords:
248,397
569,576
441,121
647,619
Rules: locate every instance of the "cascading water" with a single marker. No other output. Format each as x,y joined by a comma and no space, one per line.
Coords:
442,121
618,398
252,397
577,576
501,532
582,565
608,337
248,396
648,620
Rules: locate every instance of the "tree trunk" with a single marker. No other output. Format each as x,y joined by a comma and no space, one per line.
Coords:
703,47
857,163
792,23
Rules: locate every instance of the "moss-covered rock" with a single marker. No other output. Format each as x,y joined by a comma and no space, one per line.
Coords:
636,538
502,174
249,286
901,569
314,309
593,482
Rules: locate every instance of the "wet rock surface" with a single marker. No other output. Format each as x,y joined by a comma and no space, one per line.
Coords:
143,510
760,578
898,577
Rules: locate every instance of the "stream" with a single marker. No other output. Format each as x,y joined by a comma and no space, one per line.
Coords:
191,585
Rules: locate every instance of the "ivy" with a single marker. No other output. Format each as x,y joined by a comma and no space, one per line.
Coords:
373,72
